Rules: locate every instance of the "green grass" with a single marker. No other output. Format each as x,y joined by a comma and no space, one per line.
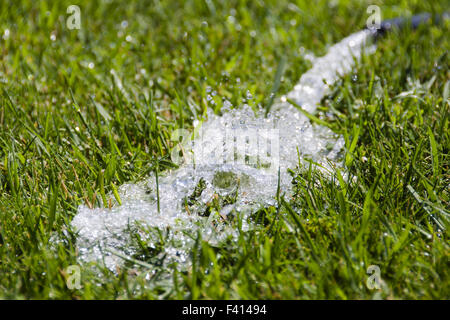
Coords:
71,134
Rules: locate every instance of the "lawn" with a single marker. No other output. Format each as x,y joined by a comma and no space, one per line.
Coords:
84,111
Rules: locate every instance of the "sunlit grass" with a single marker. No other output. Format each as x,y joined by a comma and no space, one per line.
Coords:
82,112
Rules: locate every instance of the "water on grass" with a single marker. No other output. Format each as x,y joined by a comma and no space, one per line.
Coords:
209,195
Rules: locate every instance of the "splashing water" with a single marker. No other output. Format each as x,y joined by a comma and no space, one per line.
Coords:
238,161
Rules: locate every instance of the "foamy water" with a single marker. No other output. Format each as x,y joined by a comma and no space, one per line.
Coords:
231,171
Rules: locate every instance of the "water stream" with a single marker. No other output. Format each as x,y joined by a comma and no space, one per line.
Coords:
233,166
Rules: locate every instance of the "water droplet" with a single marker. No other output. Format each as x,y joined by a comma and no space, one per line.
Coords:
231,19
6,34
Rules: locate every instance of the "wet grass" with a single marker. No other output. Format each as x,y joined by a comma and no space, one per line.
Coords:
82,112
